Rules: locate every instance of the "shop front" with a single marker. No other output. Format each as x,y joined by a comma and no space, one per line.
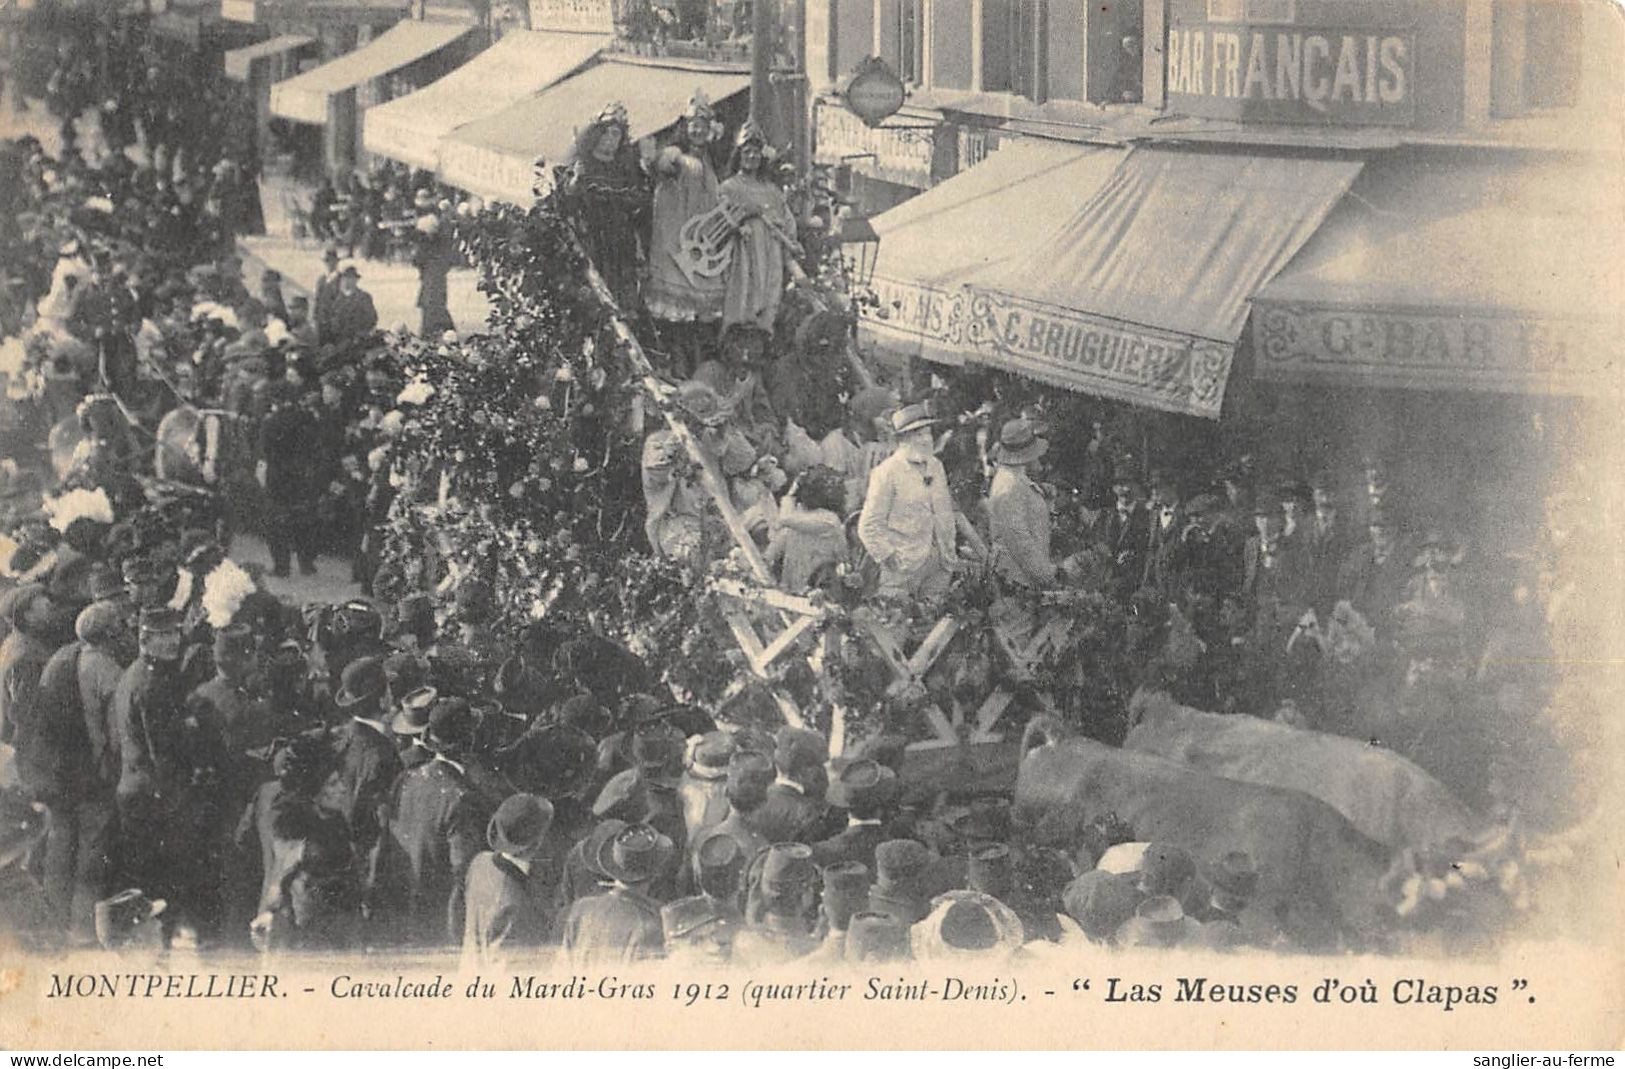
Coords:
522,63
1122,273
333,96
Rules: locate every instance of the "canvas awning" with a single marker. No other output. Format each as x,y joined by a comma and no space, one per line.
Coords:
1120,273
409,129
304,97
1484,275
239,61
496,156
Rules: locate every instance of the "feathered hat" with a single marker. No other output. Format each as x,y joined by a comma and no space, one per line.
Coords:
613,114
750,133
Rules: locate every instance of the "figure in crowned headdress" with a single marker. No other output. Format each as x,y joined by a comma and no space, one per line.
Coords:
611,199
685,187
765,246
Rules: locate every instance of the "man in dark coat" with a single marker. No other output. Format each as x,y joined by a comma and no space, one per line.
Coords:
1373,575
435,256
288,468
350,313
508,892
326,286
789,811
1124,533
435,820
148,709
621,925
1326,546
368,762
28,612
867,790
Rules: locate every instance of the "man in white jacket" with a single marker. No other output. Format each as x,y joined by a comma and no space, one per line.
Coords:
908,521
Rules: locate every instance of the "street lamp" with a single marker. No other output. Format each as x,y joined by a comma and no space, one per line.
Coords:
860,248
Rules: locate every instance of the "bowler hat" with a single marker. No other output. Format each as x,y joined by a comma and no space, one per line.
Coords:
1019,443
233,643
861,783
749,776
787,867
413,716
363,681
520,825
636,855
596,845
912,418
710,756
98,622
874,936
846,891
330,254
351,270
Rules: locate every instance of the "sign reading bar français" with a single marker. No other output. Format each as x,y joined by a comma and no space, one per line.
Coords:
1291,74
1062,346
1447,350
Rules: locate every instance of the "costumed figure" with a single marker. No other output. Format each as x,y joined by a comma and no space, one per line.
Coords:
612,199
679,289
764,246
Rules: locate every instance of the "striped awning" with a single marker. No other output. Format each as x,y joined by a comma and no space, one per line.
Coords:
304,98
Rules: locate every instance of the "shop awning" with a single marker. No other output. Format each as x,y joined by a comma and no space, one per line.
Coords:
1481,275
240,60
304,97
409,129
1119,273
495,156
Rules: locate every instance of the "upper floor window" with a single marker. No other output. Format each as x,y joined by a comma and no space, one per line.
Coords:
1011,38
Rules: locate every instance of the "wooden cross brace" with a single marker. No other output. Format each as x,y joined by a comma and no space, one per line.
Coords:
1023,662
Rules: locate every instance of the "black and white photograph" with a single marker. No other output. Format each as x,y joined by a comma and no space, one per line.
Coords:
957,503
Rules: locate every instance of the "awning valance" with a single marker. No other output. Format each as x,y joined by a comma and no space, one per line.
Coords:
1119,273
495,156
409,129
239,61
1489,275
304,97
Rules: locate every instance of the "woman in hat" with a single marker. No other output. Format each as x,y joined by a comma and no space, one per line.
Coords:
685,187
611,198
810,544
682,521
765,245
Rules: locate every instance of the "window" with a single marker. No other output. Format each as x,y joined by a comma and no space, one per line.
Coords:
910,36
1537,55
1010,45
1552,54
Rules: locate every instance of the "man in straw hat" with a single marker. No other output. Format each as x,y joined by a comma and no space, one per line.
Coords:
908,523
508,894
1018,510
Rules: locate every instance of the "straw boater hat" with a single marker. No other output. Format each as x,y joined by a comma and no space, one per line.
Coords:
413,717
1019,443
912,418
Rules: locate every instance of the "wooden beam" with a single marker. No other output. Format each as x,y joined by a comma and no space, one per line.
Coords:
786,637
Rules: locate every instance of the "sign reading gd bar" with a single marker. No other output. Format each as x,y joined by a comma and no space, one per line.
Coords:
1091,354
1291,74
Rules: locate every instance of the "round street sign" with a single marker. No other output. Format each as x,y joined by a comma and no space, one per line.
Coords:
873,92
